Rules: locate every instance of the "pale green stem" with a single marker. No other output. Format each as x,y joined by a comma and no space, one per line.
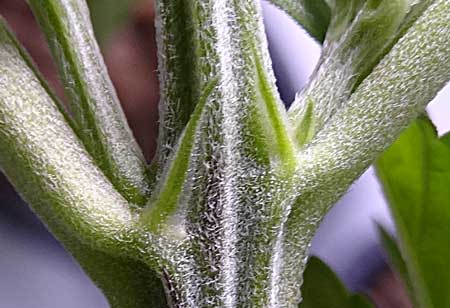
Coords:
100,121
358,39
244,193
167,196
47,164
184,65
267,116
126,283
231,158
395,93
233,163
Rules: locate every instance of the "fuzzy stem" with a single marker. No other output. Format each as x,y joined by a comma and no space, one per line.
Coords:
396,92
184,66
99,119
231,159
359,37
126,282
45,161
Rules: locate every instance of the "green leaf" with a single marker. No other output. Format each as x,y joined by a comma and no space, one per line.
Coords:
100,121
415,173
395,257
313,15
323,289
446,139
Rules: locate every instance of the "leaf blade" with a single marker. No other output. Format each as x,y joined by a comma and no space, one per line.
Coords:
395,258
323,289
415,172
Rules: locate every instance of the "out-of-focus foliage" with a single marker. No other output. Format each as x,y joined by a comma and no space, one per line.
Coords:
415,172
395,257
323,289
313,15
107,16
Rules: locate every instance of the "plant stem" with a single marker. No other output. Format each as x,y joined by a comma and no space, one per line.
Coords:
394,94
229,205
184,65
358,39
45,161
100,121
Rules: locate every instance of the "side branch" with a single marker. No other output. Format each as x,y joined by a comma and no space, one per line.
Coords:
99,118
394,94
359,37
184,65
45,161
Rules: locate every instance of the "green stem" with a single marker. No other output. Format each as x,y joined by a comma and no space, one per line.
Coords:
232,158
172,182
126,283
394,94
45,161
184,69
359,37
99,118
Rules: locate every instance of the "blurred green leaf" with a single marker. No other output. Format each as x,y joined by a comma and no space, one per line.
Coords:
107,16
323,289
446,139
313,15
395,257
415,173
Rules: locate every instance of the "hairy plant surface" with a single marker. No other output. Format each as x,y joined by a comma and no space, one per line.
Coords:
224,214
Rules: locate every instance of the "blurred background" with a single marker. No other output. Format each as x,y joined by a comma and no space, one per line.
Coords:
35,271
